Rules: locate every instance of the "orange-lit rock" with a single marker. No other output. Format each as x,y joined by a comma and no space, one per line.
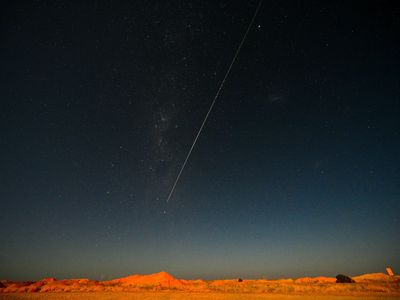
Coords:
162,279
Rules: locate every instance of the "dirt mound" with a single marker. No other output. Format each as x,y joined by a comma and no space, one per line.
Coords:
159,279
46,280
373,277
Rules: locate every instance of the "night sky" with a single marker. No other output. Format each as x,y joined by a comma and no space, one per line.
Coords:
296,172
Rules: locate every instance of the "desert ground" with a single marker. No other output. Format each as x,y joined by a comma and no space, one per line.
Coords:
178,296
164,286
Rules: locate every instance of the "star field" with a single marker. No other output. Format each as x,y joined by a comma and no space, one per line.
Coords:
295,174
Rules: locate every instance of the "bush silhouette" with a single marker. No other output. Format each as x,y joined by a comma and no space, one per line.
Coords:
344,279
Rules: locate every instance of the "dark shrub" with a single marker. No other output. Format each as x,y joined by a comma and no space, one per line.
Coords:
344,279
240,280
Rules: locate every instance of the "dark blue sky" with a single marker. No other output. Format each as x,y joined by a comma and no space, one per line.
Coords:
296,172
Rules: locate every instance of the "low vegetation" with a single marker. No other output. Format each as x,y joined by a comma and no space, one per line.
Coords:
162,284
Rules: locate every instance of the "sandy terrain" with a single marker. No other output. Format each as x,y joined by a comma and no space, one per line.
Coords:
164,286
178,296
